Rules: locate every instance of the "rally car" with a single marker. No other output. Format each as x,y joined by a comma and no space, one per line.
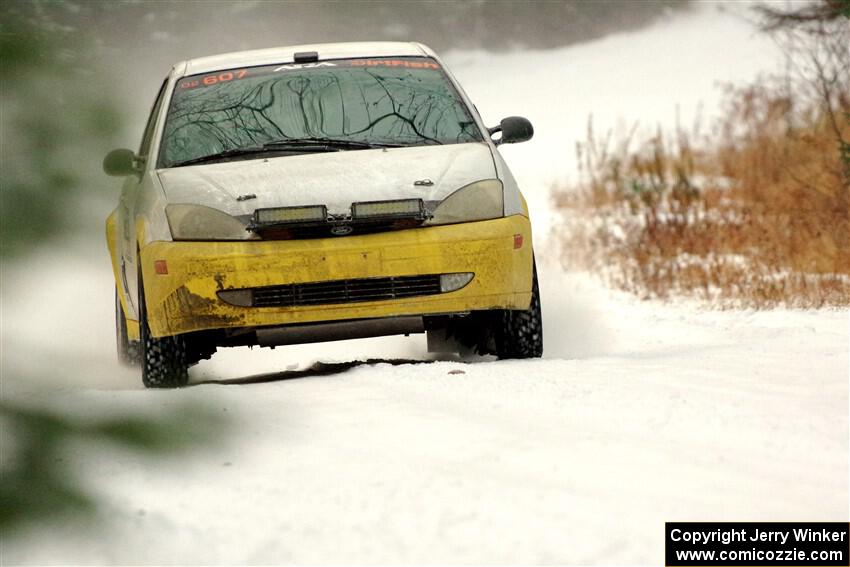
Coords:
316,193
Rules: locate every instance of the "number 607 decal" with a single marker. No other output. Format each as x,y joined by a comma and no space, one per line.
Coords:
210,80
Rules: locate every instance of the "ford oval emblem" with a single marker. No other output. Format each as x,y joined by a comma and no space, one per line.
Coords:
341,230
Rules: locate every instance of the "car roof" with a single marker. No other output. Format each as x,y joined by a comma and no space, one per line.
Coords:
286,55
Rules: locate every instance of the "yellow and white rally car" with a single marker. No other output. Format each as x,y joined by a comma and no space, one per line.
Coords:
315,193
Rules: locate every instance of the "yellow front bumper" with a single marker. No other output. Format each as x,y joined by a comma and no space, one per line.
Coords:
185,299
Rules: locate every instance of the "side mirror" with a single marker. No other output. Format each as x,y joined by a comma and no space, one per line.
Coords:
121,163
514,129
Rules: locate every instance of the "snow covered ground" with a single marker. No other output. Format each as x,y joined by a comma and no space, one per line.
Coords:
640,413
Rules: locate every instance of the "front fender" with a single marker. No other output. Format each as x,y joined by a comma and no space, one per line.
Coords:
115,258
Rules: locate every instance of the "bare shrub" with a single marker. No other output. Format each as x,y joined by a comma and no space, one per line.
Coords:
756,214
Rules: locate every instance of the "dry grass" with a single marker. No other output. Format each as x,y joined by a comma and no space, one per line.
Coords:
757,213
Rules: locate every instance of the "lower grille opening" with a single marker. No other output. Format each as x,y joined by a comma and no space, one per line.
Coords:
337,291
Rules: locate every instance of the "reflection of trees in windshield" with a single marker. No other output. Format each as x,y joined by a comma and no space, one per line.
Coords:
386,105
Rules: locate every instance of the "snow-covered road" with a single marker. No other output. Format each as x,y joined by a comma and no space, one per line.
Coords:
659,413
640,412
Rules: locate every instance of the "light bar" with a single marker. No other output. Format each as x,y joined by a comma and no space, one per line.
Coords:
387,209
290,215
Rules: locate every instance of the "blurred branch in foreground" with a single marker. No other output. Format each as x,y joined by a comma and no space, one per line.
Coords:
37,482
57,116
54,119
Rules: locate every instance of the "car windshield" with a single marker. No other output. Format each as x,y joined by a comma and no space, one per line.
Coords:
369,102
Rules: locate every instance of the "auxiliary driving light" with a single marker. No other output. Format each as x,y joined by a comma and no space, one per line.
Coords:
453,282
404,208
239,297
290,215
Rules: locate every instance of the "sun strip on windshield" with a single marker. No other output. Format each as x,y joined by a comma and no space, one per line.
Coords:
226,76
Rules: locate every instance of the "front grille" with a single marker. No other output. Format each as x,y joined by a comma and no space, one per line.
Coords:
323,229
345,291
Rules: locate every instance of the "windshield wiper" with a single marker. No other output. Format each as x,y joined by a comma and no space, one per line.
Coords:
222,155
299,144
332,144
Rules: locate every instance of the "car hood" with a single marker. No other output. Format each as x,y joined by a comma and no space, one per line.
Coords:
334,179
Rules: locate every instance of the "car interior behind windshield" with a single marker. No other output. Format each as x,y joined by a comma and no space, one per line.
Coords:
372,102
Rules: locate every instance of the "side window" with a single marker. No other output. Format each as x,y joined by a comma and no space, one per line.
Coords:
148,135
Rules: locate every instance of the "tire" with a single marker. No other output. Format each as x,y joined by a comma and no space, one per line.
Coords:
164,361
519,334
128,351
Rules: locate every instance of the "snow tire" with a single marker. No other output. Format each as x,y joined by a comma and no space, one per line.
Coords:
164,360
520,333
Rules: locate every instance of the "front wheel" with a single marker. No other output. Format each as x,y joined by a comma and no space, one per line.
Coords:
164,360
519,334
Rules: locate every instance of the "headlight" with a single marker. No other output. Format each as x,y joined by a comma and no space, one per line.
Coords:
481,200
197,222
